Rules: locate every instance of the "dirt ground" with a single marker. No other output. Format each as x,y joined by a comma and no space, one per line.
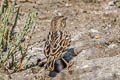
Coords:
94,26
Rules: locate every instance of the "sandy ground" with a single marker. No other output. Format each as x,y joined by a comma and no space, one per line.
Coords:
95,32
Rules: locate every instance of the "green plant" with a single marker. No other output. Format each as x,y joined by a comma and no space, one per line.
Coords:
12,44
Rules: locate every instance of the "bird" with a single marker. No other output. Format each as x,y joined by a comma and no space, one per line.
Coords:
57,41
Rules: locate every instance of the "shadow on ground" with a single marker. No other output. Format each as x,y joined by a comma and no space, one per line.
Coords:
60,64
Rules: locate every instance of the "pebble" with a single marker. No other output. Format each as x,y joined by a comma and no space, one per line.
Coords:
67,5
59,14
97,37
89,67
93,31
111,3
111,46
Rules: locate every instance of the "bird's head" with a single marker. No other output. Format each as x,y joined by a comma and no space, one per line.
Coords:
59,22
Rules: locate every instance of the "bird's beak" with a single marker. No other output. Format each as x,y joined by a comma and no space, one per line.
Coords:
65,18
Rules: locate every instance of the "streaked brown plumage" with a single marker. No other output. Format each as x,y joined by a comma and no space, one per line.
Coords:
57,42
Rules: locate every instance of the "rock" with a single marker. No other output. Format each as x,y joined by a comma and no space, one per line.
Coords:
111,3
93,31
111,46
68,5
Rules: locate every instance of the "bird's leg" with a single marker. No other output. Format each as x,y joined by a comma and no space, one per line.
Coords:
50,63
68,64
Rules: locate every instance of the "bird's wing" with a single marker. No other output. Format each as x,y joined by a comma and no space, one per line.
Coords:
56,43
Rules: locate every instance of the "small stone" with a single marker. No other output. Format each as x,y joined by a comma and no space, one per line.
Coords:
56,11
32,1
109,25
97,37
22,0
104,27
67,5
111,46
59,14
93,31
89,67
71,23
111,3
